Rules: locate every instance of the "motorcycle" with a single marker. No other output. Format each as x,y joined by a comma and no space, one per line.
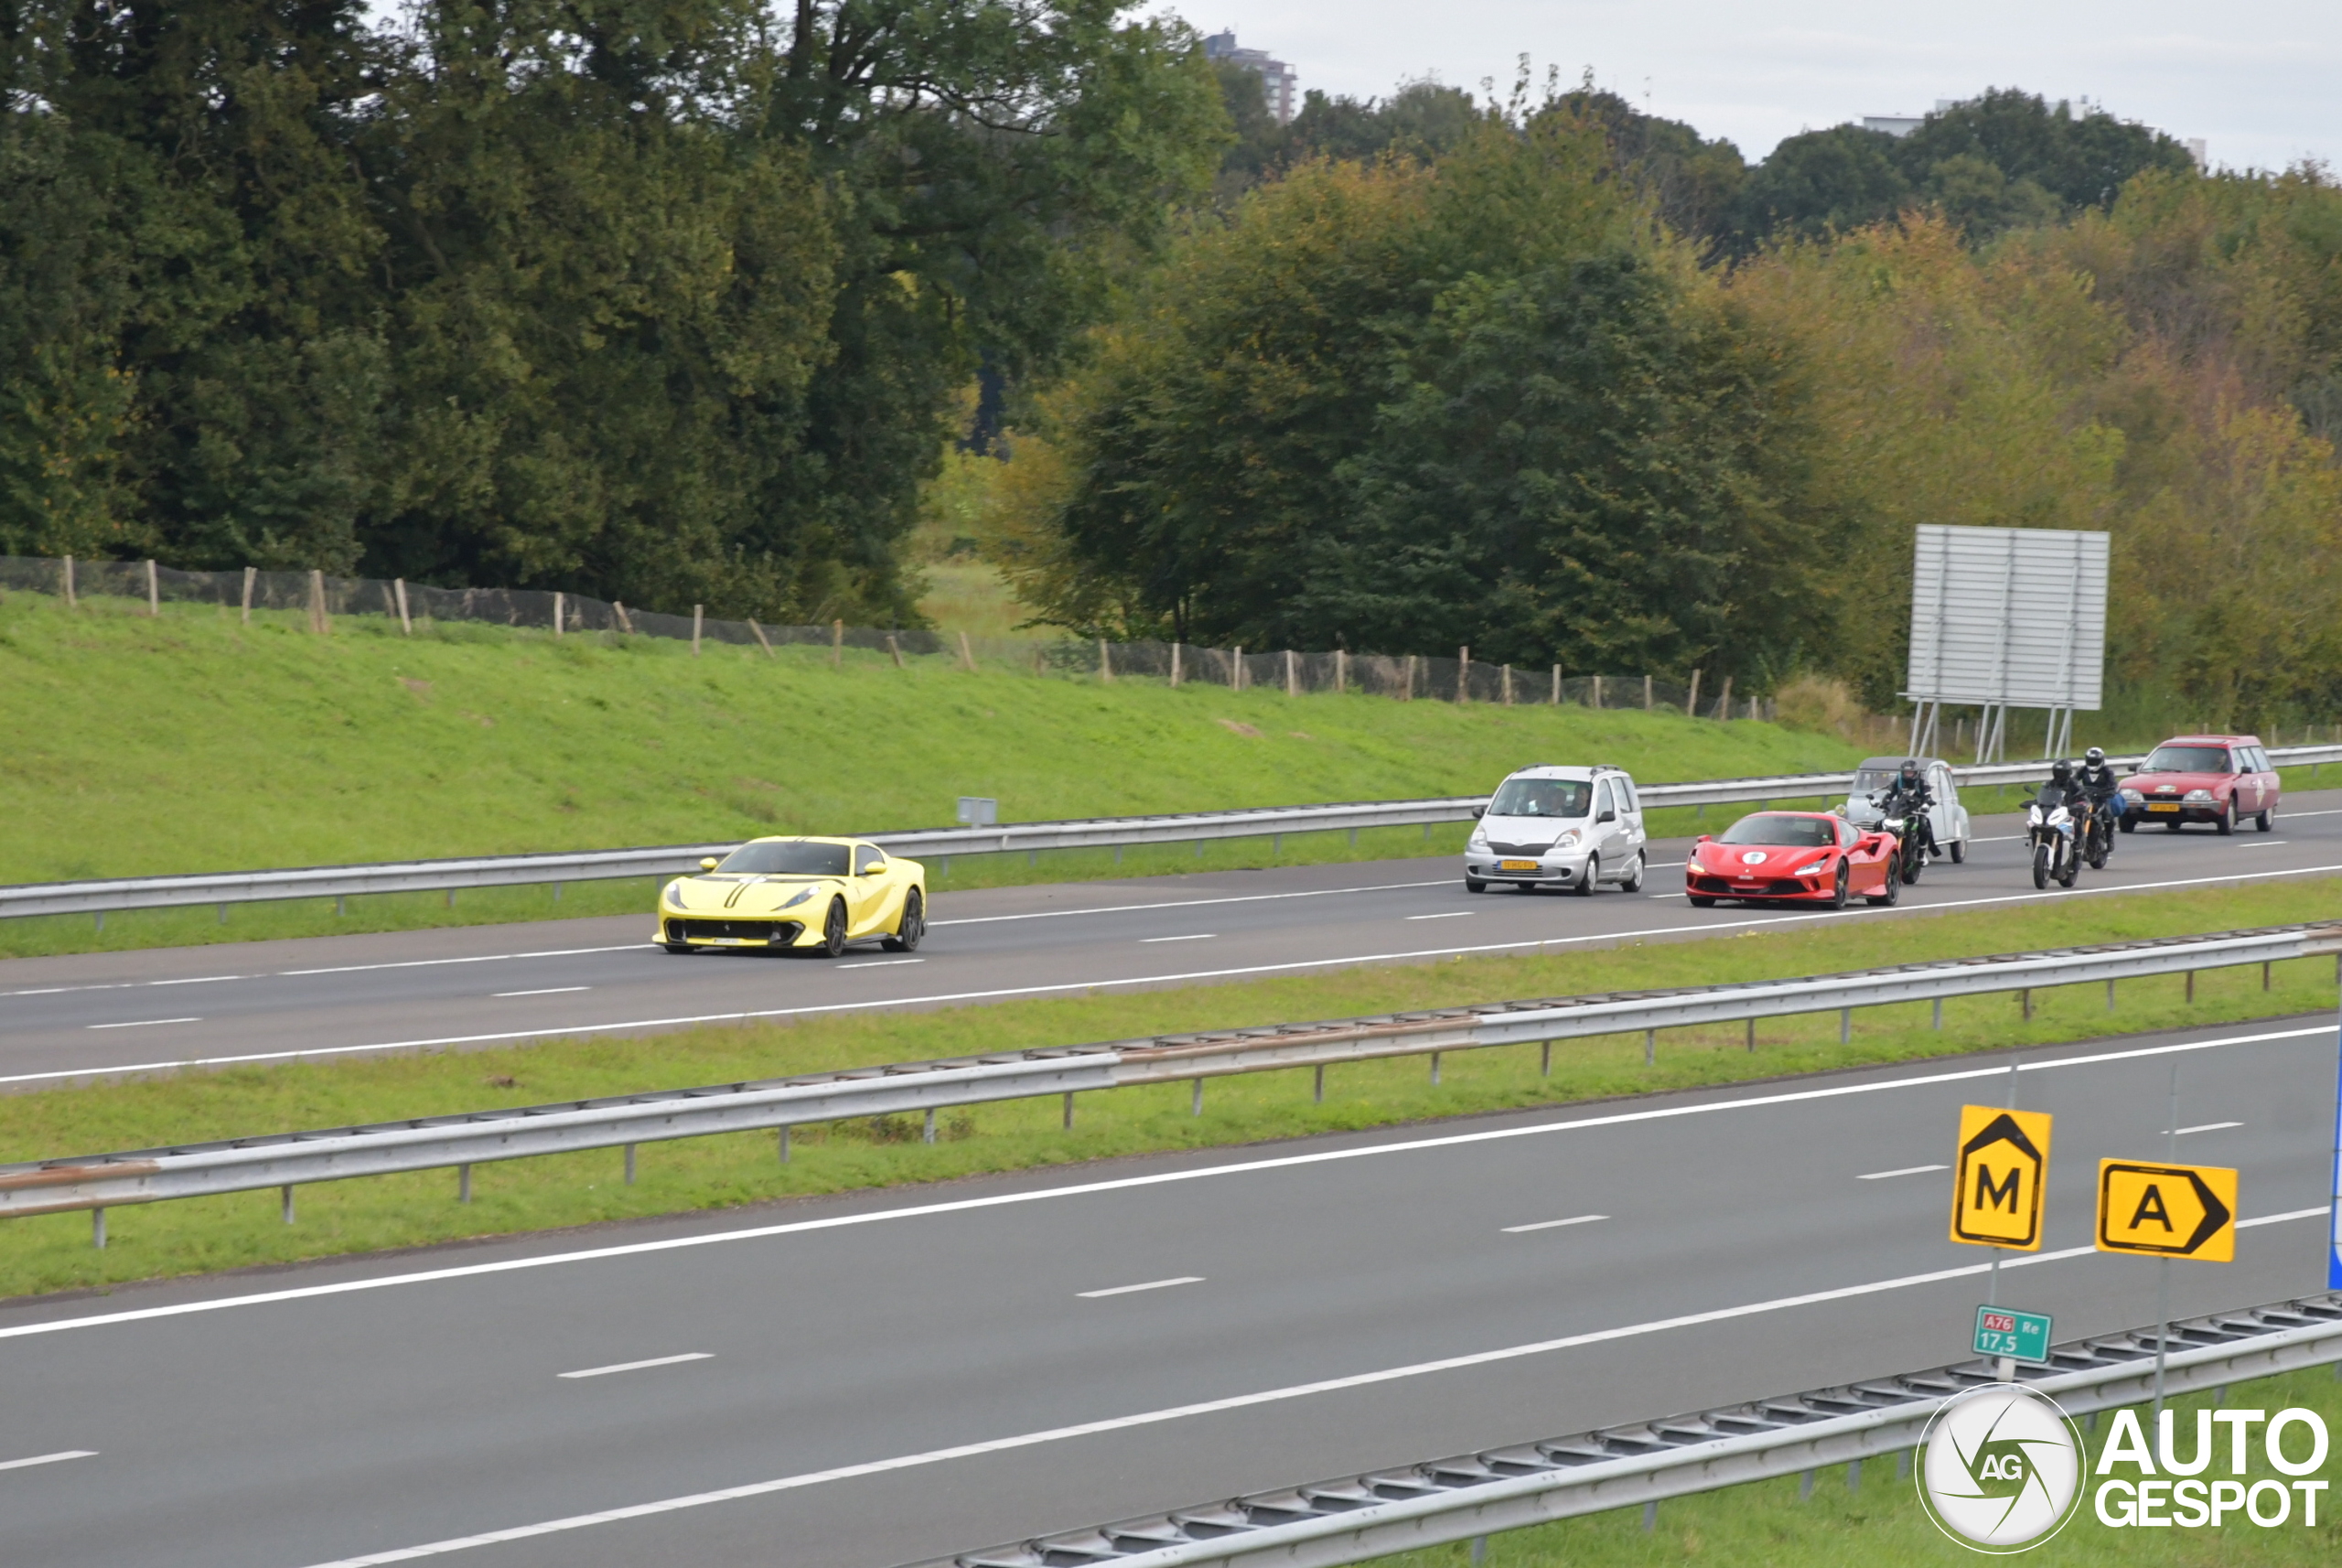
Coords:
1900,817
2050,828
2098,832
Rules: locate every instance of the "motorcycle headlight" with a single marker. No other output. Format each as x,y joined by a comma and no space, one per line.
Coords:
802,894
2060,815
2199,794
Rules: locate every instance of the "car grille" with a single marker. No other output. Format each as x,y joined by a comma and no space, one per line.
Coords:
1520,849
750,931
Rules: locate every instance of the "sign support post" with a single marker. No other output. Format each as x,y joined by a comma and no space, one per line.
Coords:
2162,1265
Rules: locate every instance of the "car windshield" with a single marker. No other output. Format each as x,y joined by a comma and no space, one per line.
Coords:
2188,759
1542,797
1798,832
787,857
1870,780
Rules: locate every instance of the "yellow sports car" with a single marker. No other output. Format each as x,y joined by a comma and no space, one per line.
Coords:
777,893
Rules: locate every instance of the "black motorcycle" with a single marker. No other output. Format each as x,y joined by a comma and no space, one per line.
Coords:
2096,830
1900,815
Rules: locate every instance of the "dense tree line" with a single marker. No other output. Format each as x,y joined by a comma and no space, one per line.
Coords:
1567,384
666,300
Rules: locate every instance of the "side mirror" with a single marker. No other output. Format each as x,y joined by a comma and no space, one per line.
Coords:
1608,817
1479,811
873,870
1704,838
707,863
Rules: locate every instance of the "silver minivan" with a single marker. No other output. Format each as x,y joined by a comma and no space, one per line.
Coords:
1579,828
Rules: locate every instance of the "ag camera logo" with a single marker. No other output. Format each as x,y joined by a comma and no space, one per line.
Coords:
2001,1468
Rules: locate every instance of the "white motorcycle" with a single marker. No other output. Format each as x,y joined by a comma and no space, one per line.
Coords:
2049,834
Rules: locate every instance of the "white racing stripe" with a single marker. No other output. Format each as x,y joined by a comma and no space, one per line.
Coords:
1159,1178
556,1031
1218,1406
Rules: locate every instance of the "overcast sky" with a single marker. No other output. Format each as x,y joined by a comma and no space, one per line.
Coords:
2261,81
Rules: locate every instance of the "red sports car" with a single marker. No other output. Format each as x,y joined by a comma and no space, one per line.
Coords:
1806,857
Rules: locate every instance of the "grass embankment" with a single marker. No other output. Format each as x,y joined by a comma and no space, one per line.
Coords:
1766,1524
52,1252
191,743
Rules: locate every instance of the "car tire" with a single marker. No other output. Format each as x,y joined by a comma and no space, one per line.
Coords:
1889,895
1845,886
1959,851
1701,901
2265,820
834,930
2225,823
1593,874
911,926
1633,881
679,947
1474,885
2170,824
2128,824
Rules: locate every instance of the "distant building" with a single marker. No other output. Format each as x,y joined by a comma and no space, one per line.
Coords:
1894,124
1280,87
2195,146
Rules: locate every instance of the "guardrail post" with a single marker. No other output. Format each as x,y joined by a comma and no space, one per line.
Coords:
1434,1067
2109,996
1318,1092
1845,1024
98,1229
2191,989
1545,1059
1805,1487
287,1192
1069,1111
1939,1022
463,1184
340,906
927,1134
784,1143
1650,1516
629,1164
2025,998
1650,1047
223,914
2264,977
1853,1476
1752,1034
1196,1101
1480,1549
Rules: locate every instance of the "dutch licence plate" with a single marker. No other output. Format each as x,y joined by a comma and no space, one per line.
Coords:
1516,866
2164,805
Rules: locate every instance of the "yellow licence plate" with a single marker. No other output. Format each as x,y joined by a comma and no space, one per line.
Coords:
1516,866
2172,806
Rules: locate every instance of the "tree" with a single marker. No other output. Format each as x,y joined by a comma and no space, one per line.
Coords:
1818,184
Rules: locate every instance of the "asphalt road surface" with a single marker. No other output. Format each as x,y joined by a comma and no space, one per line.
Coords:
866,1380
484,985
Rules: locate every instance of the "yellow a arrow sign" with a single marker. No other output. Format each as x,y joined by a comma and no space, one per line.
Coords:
2166,1211
1998,1179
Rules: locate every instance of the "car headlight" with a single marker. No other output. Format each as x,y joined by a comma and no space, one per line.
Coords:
1479,839
675,894
1566,840
802,894
1815,869
2132,797
2199,794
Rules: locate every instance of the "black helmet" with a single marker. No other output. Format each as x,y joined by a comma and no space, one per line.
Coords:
2061,770
2095,756
1910,768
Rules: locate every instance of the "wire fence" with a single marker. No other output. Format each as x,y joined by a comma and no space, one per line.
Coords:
319,600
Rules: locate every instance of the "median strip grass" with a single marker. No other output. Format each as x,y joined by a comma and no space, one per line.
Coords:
1863,1518
53,1253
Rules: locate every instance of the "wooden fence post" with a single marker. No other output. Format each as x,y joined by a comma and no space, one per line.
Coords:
398,591
69,602
250,572
1292,674
896,649
1175,661
625,622
1464,673
1407,693
1105,664
1598,691
1723,704
319,621
1235,671
758,633
154,591
1557,685
837,645
1691,703
1341,671
968,655
1645,694
559,607
1506,682
699,619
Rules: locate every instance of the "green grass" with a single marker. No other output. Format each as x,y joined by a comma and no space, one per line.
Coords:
52,1252
191,743
1766,1525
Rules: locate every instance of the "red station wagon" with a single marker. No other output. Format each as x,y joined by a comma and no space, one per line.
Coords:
2215,779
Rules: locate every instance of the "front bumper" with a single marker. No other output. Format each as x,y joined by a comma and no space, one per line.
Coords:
1546,871
700,932
1808,889
2154,810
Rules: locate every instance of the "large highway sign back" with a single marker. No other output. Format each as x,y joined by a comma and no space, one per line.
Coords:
2003,1163
2166,1211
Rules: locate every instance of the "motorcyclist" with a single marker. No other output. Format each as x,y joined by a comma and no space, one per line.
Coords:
2063,788
2099,785
1910,784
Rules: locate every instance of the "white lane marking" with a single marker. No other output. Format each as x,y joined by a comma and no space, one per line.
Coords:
196,980
61,990
47,1458
2265,844
637,1366
1443,915
1193,936
1906,1170
1215,1407
2206,1127
1159,1178
1189,903
877,962
548,991
477,958
142,1022
1553,1224
1151,1284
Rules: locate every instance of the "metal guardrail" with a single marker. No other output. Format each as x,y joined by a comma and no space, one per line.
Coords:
1409,1507
289,1159
102,896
